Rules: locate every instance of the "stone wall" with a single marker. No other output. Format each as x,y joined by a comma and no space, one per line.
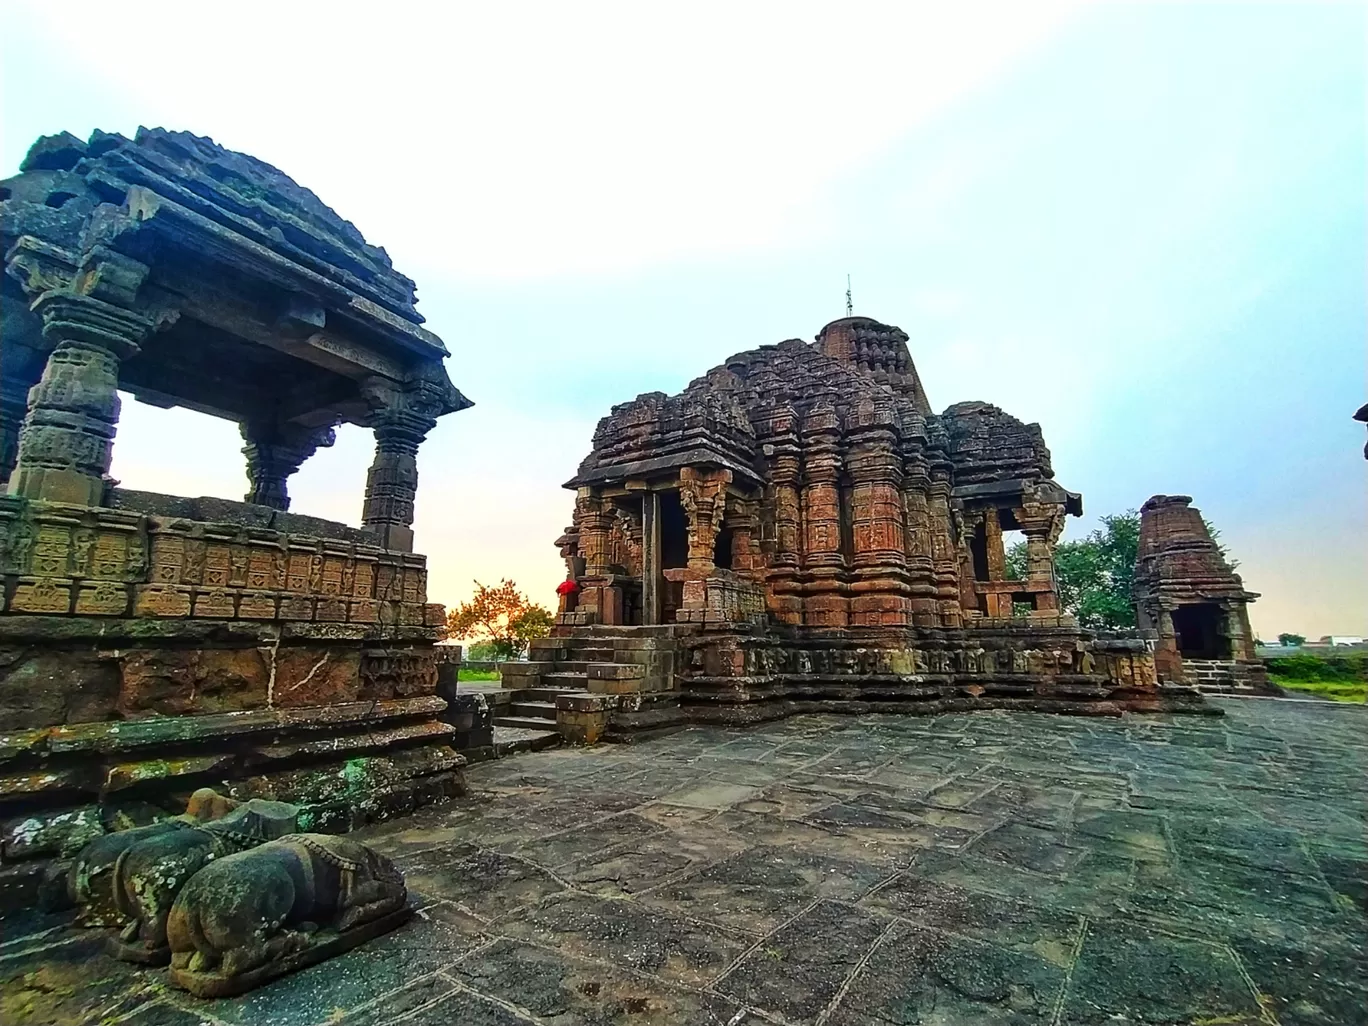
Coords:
741,678
142,657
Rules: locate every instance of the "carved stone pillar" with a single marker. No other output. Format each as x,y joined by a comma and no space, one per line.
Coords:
747,558
1042,524
825,604
703,494
651,580
1168,659
66,441
780,442
916,487
879,587
1238,632
944,548
993,548
274,451
595,521
402,414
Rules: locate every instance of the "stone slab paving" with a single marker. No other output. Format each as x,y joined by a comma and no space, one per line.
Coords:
967,869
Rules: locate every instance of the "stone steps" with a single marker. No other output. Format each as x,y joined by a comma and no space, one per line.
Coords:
543,694
537,710
512,740
526,723
567,681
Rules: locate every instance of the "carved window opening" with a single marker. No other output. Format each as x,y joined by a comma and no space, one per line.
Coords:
845,511
978,551
674,532
722,549
1198,627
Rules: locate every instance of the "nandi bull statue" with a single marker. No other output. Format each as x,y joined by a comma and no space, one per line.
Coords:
149,874
87,882
253,916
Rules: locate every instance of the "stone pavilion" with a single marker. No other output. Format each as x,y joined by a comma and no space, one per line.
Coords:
152,644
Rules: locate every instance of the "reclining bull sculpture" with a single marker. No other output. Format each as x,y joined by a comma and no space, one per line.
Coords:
88,882
150,873
252,916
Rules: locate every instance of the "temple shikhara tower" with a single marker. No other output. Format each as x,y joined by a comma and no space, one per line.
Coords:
1187,593
153,644
799,530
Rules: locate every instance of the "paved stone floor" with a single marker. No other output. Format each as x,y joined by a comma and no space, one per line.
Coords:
975,869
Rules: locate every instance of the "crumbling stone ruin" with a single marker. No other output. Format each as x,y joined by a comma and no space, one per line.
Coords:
798,530
1187,593
152,644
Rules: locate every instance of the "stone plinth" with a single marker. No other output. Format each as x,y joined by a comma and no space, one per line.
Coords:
142,657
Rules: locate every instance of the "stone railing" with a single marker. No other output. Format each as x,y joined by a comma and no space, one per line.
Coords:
720,598
85,561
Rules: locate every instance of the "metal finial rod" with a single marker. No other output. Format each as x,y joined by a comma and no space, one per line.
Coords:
850,306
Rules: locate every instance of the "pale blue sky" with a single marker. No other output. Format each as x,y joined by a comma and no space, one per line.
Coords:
1141,225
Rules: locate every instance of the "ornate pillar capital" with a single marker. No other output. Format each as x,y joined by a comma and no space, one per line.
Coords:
274,451
401,415
703,494
66,442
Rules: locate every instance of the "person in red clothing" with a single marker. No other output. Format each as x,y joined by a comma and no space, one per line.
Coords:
568,591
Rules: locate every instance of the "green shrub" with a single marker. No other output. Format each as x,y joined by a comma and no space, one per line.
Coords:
1346,668
465,674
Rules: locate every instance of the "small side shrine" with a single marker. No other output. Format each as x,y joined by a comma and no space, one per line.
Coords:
1187,593
153,644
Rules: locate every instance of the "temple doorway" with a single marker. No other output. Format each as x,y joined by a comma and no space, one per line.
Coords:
674,551
1199,633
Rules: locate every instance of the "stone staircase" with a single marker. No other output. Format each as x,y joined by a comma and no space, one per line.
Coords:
1226,677
561,666
555,666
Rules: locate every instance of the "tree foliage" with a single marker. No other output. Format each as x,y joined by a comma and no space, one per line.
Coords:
1291,640
1093,575
501,617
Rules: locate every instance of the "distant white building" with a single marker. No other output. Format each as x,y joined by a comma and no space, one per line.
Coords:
1340,639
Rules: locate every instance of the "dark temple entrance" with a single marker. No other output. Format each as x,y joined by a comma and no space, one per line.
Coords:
1199,632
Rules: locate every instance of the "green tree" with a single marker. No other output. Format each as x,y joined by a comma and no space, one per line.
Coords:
503,617
1291,640
1093,575
1221,550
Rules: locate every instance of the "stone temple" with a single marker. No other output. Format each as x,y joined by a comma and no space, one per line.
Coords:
1186,593
798,530
152,644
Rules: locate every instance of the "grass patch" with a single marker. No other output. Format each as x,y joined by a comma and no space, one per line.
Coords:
465,674
1337,691
1340,676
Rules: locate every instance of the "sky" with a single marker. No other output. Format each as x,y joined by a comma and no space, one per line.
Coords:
1141,225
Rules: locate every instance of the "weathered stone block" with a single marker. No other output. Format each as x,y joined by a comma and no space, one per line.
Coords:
614,671
308,676
161,600
526,669
177,682
257,605
41,595
44,687
216,604
102,598
296,607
